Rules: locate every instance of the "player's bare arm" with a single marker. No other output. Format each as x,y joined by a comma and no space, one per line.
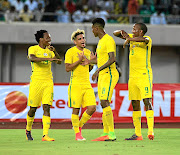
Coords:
93,59
111,60
139,39
33,58
57,56
70,67
121,34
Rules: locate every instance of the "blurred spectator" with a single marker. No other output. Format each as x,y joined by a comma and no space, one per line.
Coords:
164,4
18,4
133,7
77,15
87,14
158,18
63,16
92,4
38,13
174,18
32,4
99,13
70,6
50,8
109,5
25,14
42,2
4,5
11,15
146,9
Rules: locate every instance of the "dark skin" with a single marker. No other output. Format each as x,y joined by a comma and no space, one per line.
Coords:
43,43
99,32
80,41
138,36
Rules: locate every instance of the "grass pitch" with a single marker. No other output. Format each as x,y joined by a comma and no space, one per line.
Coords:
13,142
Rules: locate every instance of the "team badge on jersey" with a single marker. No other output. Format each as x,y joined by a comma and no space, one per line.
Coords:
45,54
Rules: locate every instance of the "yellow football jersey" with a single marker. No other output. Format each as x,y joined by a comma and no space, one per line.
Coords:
105,45
41,70
80,75
140,58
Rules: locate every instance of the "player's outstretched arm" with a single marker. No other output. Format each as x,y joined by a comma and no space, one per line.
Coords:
57,56
139,39
121,34
33,58
70,67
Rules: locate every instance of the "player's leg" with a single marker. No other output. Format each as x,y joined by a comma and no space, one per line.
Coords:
150,117
75,101
108,84
134,96
30,120
108,116
75,124
89,101
146,93
87,115
46,123
34,100
47,100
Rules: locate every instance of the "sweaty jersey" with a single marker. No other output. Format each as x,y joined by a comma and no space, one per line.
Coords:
79,75
42,69
105,45
140,58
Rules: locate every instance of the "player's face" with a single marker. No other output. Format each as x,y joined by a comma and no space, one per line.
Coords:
136,30
95,30
80,41
47,39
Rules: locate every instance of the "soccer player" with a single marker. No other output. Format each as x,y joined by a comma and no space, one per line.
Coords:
108,76
140,76
41,84
80,92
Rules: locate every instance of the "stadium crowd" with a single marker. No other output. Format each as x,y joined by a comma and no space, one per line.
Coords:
79,11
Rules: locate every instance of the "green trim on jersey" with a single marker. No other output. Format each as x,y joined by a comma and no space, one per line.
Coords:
70,104
147,68
110,83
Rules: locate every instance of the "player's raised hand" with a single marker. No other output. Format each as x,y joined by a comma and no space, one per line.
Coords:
125,43
51,48
95,75
93,56
81,56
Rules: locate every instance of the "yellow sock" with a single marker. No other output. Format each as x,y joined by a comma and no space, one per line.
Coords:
30,121
75,122
46,124
108,115
85,117
150,120
137,122
106,129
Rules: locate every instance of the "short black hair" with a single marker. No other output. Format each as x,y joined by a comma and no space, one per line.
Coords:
143,27
99,21
39,34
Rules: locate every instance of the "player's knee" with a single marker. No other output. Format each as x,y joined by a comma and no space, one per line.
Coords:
32,111
136,105
105,103
93,109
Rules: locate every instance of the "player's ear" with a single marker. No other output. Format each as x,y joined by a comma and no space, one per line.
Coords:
74,42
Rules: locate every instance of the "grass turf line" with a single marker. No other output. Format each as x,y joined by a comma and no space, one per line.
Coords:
13,142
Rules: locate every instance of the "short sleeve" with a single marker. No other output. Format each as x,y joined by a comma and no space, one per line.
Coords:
52,54
68,57
31,50
111,45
